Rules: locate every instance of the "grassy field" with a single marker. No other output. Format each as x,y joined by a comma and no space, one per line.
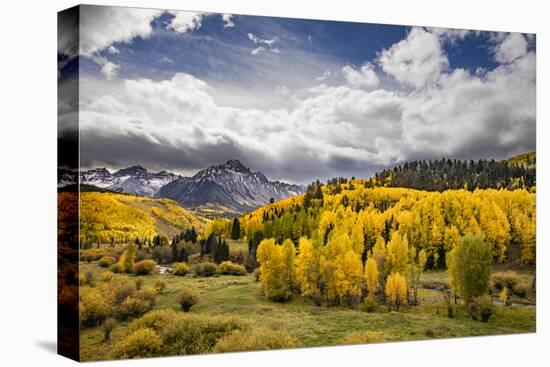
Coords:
312,325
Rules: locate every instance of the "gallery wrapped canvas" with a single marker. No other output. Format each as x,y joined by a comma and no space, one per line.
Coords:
233,183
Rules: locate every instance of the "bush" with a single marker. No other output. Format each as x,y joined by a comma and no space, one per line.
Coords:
116,268
121,291
138,303
362,337
187,298
181,269
139,283
229,268
370,303
185,333
508,279
256,274
106,261
521,289
160,286
93,309
108,327
144,267
107,276
206,269
481,308
141,343
240,341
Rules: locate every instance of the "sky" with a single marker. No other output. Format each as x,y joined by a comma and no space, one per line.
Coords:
296,99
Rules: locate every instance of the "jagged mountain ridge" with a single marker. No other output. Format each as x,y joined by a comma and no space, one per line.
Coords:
230,185
134,180
228,189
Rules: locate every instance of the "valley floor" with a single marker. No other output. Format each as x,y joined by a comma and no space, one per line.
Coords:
312,325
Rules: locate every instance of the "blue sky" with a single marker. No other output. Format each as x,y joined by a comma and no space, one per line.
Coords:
296,99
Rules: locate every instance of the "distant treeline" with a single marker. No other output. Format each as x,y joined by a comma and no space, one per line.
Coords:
445,174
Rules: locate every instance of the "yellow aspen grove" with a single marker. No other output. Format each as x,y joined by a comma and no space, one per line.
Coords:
347,276
396,291
416,268
397,254
307,269
274,271
372,276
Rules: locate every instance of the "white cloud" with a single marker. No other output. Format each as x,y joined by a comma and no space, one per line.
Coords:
512,47
110,70
257,40
227,22
330,130
274,50
101,26
365,77
449,34
418,60
166,60
113,50
184,21
327,74
258,50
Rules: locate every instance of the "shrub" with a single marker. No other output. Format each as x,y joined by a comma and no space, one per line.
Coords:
107,276
108,327
93,309
116,268
144,267
187,298
121,291
181,269
194,334
508,279
362,337
106,261
481,308
141,343
160,286
521,289
139,283
250,263
229,268
370,303
240,341
138,303
185,333
206,269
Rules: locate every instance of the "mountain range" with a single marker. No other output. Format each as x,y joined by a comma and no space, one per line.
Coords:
221,190
228,186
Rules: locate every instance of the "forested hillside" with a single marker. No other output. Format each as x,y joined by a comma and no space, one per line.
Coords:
359,217
438,175
108,218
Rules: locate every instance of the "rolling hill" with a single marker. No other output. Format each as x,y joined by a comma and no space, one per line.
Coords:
120,218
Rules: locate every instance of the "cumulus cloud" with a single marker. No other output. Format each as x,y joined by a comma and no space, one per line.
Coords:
258,50
418,60
184,21
511,48
449,34
101,26
364,77
326,75
113,50
110,70
227,22
331,130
